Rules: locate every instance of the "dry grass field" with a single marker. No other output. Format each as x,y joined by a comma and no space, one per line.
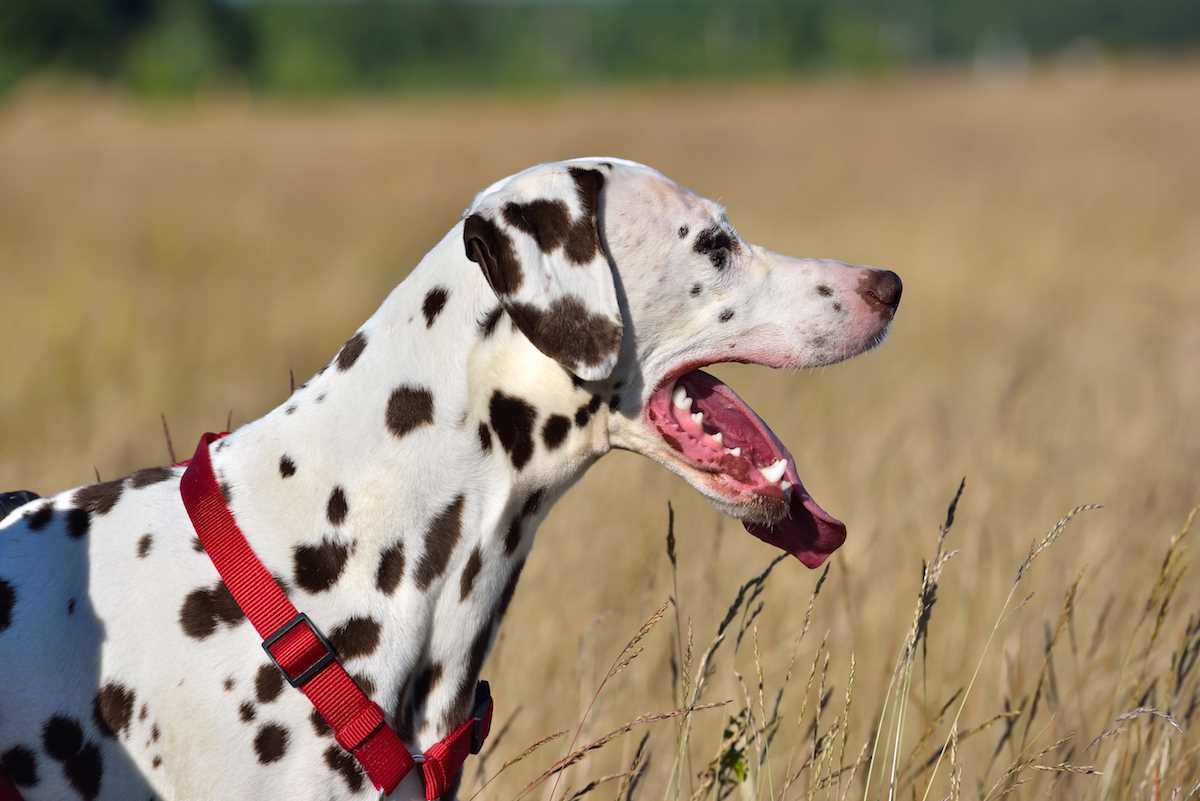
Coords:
182,259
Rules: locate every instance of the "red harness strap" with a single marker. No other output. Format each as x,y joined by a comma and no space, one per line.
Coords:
305,657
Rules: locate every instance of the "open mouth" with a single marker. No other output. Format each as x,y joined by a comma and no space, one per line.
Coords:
743,464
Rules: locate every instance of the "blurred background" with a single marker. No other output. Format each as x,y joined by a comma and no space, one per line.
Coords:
197,198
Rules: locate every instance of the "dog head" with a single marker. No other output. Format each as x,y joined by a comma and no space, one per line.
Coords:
623,276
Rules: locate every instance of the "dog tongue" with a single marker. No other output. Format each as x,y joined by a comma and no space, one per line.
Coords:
808,533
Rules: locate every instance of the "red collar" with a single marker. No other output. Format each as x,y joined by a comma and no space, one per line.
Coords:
307,660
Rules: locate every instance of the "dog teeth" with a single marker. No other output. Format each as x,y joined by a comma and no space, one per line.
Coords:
785,485
775,471
716,437
735,451
681,399
698,418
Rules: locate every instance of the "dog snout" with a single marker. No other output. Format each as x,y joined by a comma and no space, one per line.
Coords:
881,289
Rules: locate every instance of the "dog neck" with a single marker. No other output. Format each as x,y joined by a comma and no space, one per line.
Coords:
397,492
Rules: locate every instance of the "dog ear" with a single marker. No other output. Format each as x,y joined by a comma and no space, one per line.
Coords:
537,240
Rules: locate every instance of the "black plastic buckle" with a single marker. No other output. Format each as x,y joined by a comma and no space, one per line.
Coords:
483,700
328,657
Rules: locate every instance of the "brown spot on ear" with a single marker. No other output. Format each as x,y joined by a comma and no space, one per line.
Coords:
19,764
204,608
268,684
492,250
391,568
485,438
358,636
549,223
99,498
567,332
512,419
435,301
470,571
143,546
318,567
345,766
440,539
337,508
408,407
271,743
148,476
112,709
350,352
555,431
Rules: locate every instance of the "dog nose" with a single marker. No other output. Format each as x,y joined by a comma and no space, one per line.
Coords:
881,289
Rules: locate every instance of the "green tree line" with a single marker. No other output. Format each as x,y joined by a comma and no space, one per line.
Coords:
330,46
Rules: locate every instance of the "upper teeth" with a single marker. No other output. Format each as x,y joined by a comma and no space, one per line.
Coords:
681,399
785,485
698,418
775,471
716,437
735,451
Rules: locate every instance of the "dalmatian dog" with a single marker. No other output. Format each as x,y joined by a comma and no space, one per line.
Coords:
395,495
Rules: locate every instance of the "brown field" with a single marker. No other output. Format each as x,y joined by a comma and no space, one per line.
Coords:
182,259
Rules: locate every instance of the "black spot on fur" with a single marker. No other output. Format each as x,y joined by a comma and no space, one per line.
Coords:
391,568
555,431
512,419
62,738
271,743
154,732
470,571
435,301
594,404
582,415
226,492
204,608
345,766
78,523
143,712
716,243
726,316
488,324
8,599
287,468
350,352
337,508
148,476
440,539
229,683
532,504
99,498
614,401
513,538
42,517
197,546
824,291
567,331
143,546
408,407
485,438
156,762
246,712
837,307
290,409
683,231
112,709
695,292
268,684
358,636
19,764
319,725
365,683
318,567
